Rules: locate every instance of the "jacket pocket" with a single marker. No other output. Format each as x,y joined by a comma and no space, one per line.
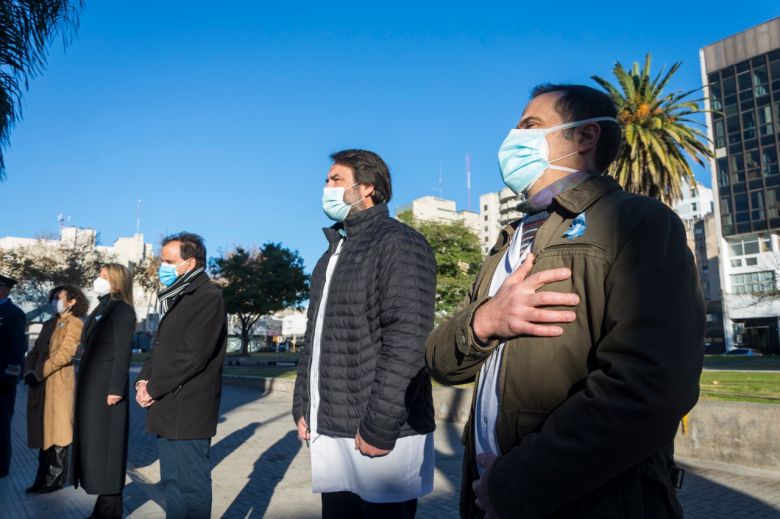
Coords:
572,249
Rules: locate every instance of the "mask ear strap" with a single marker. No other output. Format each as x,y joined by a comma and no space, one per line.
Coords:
574,124
563,157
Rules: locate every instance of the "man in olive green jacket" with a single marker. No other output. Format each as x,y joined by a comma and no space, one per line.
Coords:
583,331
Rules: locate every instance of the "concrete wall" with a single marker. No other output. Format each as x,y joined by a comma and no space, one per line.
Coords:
731,432
743,434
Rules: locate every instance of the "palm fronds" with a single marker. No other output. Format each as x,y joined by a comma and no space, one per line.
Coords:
659,136
27,27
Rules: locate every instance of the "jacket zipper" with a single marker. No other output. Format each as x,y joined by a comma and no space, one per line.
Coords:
565,245
307,412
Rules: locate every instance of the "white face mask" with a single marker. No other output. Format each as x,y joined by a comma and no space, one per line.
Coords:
334,205
524,155
59,306
101,286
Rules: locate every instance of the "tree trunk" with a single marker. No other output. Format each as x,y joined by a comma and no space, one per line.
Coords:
245,331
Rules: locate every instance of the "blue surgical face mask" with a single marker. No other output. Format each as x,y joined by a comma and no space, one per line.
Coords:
333,203
167,273
524,156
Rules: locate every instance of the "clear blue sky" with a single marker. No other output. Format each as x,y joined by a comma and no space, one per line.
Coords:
220,116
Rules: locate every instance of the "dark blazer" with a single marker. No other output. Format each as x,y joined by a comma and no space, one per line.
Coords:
184,369
13,344
100,440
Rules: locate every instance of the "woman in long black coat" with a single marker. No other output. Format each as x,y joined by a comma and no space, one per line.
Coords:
102,412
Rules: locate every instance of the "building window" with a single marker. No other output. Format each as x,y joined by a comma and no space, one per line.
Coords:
485,207
693,207
753,282
751,262
749,245
736,263
486,218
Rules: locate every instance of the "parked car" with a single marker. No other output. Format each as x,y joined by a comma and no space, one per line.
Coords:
745,352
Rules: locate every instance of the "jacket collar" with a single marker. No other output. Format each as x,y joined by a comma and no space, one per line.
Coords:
107,304
584,194
197,282
356,223
574,200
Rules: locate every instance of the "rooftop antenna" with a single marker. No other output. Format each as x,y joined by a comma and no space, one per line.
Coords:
438,188
468,177
138,217
60,221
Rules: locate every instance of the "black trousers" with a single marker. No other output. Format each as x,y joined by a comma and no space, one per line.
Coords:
108,506
185,473
346,505
7,398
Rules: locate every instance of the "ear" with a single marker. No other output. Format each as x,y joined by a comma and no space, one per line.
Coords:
587,137
366,190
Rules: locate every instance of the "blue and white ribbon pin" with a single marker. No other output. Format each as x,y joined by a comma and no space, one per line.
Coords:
577,228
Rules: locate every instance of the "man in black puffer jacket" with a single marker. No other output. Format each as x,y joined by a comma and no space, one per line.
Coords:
363,393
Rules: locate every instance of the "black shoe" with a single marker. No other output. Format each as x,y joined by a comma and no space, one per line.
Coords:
33,489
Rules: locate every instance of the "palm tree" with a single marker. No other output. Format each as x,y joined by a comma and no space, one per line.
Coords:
26,29
660,135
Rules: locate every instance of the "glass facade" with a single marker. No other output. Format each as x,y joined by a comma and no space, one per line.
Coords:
745,121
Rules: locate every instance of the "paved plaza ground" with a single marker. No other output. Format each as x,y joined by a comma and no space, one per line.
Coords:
262,470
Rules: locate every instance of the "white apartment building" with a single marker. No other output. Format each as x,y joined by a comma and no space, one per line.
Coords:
127,251
435,209
489,220
696,203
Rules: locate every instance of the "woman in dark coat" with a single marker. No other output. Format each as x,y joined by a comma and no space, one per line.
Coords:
102,413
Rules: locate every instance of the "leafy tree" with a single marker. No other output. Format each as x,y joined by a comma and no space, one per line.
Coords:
258,282
660,134
43,265
27,27
458,258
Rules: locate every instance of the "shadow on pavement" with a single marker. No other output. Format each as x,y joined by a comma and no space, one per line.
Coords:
703,498
269,469
142,449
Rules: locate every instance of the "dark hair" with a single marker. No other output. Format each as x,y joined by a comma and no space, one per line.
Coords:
369,169
583,102
190,246
72,292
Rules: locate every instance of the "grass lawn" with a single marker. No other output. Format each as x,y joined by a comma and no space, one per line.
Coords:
731,384
741,386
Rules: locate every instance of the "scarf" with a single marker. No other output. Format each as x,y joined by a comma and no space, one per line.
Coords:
168,295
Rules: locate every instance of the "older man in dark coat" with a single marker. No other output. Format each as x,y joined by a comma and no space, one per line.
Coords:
181,382
12,348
